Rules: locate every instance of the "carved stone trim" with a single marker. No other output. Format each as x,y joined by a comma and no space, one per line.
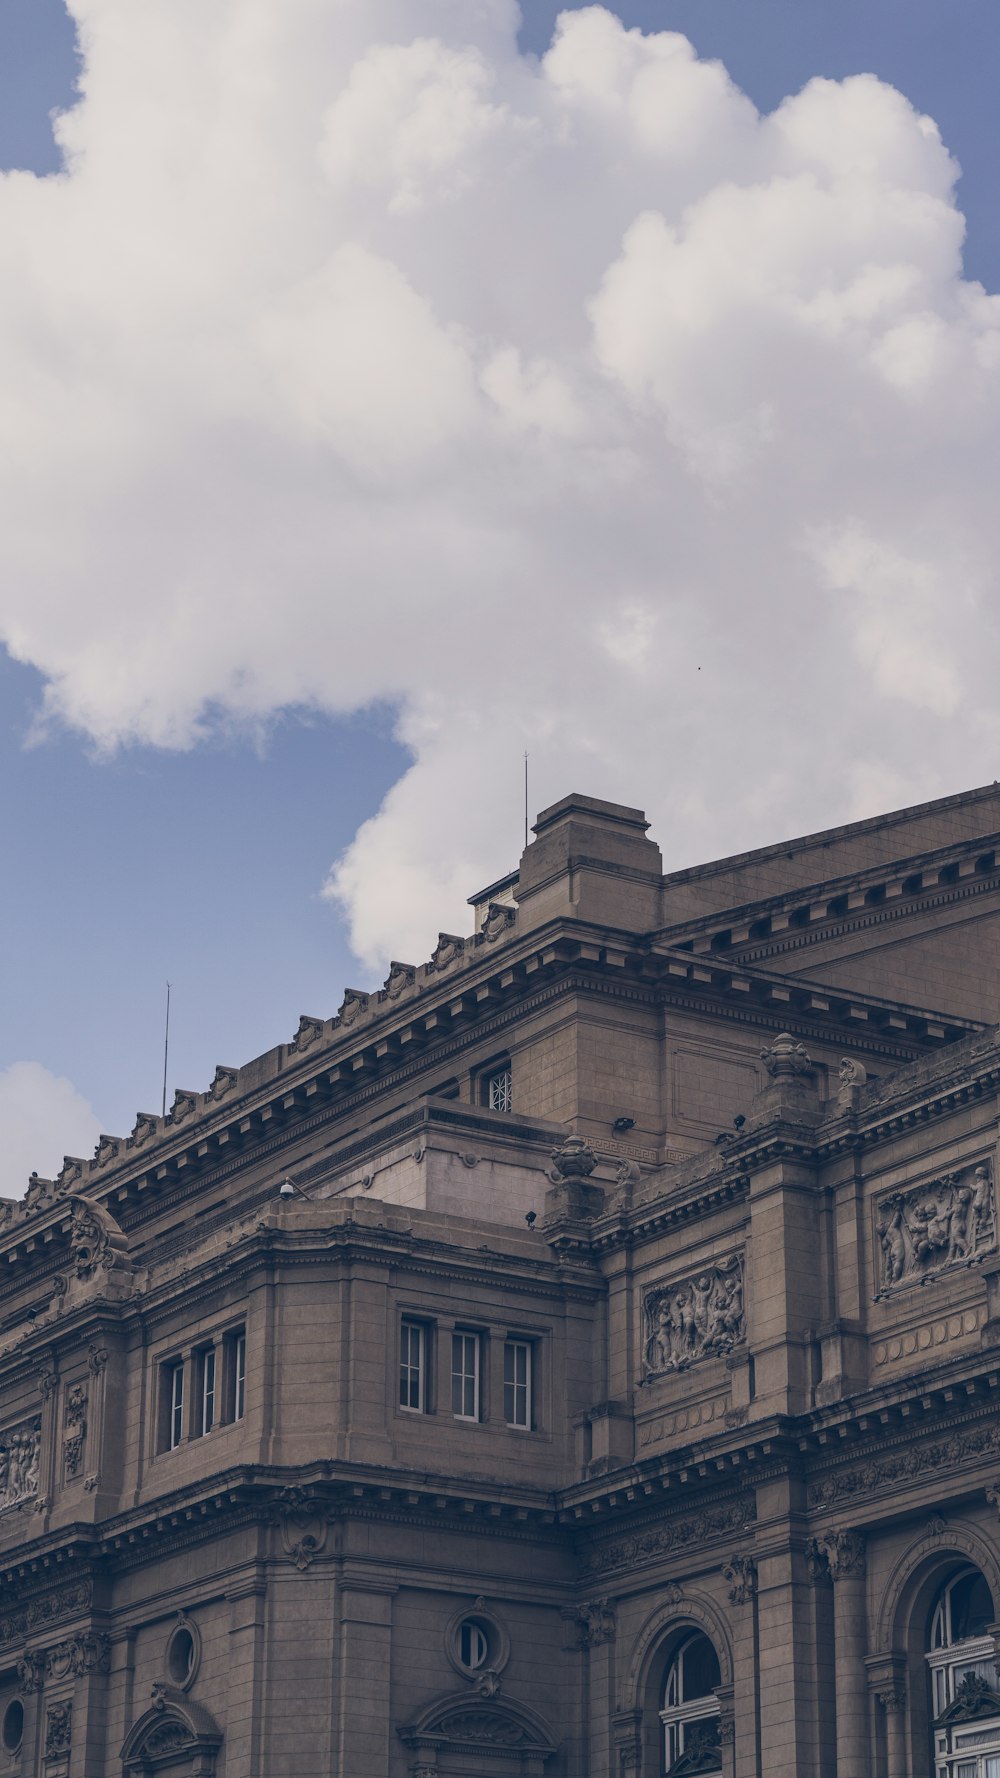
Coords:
741,1573
18,1624
58,1731
900,1467
698,1316
660,1540
301,1517
74,1430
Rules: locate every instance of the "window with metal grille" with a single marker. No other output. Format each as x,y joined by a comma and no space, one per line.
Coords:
499,1096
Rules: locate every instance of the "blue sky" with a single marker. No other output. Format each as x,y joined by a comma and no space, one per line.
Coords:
129,864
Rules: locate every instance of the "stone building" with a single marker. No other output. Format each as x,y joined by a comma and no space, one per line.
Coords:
576,1359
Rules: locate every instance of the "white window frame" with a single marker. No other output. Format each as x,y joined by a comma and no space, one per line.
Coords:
207,1366
518,1395
678,1716
175,1413
240,1375
949,1663
466,1374
412,1366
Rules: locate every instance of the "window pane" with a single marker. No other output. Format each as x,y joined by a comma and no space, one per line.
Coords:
176,1404
411,1366
465,1376
517,1382
701,1668
208,1390
240,1376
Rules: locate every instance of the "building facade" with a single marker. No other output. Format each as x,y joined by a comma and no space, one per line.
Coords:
577,1359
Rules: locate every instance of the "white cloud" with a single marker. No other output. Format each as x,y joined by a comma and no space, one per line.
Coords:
568,405
43,1118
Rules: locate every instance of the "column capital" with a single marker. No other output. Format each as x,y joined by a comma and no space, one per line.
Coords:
840,1553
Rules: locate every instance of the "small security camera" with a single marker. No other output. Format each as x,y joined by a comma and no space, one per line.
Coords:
739,1121
287,1189
621,1124
531,1218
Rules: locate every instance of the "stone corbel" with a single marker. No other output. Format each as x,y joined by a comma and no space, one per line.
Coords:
886,1678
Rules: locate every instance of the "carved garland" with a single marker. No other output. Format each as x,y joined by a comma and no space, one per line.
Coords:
661,1540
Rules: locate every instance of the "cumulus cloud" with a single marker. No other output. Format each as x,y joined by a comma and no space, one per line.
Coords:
43,1118
566,404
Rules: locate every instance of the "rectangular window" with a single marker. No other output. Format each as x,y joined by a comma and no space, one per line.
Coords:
465,1356
413,1366
233,1395
517,1362
175,1401
206,1390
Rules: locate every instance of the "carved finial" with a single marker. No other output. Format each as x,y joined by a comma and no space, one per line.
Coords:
573,1159
352,1006
447,950
786,1056
400,977
500,917
309,1031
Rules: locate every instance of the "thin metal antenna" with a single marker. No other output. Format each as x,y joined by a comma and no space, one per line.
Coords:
166,1051
526,798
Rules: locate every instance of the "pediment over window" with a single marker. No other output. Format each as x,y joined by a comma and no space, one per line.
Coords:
973,1700
176,1736
466,1724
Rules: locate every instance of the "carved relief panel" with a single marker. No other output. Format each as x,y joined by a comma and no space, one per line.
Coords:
19,1460
700,1316
943,1223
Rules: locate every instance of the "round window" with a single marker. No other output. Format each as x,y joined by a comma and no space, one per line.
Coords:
473,1644
476,1642
182,1656
13,1725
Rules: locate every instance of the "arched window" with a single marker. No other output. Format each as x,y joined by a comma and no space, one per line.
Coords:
690,1713
965,1685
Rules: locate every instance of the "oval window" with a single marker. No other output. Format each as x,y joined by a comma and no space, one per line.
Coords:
181,1655
13,1726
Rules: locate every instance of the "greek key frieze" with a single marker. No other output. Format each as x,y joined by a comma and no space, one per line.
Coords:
943,1223
700,1316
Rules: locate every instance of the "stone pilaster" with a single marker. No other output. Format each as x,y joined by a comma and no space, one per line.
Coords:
887,1684
844,1553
